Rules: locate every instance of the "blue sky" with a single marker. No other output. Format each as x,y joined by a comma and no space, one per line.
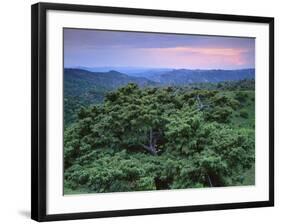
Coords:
97,48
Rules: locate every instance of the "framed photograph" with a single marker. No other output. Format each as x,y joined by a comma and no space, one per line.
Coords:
140,111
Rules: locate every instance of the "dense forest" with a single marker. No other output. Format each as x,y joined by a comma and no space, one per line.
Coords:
138,135
84,87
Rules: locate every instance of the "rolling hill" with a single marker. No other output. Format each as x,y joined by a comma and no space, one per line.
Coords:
77,81
186,76
82,88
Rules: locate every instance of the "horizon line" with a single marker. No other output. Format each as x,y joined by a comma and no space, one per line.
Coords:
136,67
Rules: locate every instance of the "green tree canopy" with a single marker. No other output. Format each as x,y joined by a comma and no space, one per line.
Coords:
157,138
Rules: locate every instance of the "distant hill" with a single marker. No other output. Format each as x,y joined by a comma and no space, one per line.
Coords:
131,71
78,78
82,88
185,76
169,76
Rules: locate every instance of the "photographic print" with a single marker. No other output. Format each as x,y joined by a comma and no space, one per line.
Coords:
144,111
157,111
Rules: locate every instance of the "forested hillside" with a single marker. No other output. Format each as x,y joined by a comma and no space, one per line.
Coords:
145,137
186,76
83,87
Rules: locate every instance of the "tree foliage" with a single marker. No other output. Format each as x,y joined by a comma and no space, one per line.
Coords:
157,138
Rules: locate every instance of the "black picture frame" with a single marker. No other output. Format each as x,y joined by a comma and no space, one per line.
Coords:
38,108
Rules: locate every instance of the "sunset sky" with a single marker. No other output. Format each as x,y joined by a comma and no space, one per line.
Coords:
94,48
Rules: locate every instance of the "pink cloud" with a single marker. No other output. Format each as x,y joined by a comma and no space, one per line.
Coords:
203,57
207,51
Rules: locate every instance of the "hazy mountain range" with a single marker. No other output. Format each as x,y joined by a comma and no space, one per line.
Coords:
110,77
185,76
88,84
